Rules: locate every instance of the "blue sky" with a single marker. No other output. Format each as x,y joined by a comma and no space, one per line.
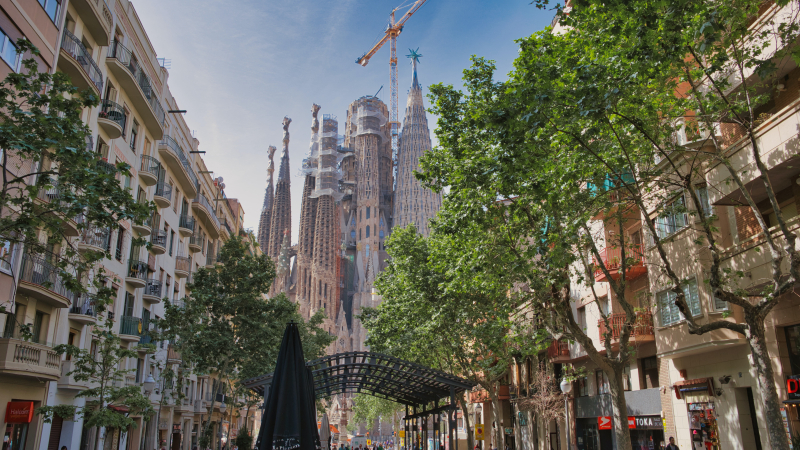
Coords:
240,66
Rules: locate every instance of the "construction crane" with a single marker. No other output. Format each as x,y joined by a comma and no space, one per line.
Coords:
393,29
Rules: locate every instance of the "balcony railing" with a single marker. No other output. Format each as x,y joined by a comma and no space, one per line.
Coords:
84,305
50,194
183,263
153,288
186,222
124,56
612,259
227,227
202,200
22,357
173,354
159,237
96,236
150,165
173,145
642,328
558,349
211,258
43,270
130,325
137,269
197,239
164,190
72,45
113,112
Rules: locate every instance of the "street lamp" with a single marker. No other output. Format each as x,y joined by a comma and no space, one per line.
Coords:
566,388
149,384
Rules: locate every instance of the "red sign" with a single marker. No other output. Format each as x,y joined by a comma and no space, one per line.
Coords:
631,422
604,423
19,412
792,385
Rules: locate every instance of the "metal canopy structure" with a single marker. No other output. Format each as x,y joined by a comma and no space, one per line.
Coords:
378,375
404,382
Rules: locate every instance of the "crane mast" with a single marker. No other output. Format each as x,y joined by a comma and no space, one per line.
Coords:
392,31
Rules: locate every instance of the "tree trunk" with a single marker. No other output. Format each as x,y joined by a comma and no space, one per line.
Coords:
619,408
499,436
465,413
756,338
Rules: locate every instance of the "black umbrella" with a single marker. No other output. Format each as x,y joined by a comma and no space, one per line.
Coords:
289,421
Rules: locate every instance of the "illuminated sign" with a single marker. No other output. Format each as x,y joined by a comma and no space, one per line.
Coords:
19,412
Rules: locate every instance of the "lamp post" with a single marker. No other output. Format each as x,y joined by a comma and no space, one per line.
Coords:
222,408
566,388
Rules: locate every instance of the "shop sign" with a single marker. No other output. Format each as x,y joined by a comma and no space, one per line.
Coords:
645,422
604,423
19,412
509,431
793,387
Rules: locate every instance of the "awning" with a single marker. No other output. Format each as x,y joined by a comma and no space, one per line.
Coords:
705,385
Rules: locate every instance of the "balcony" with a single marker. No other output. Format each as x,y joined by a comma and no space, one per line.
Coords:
77,63
211,259
68,381
200,407
111,119
137,273
40,278
174,156
54,197
225,229
96,17
37,361
612,259
83,310
642,329
173,357
150,170
183,265
136,83
196,242
152,291
158,241
205,213
186,225
94,239
130,328
558,352
145,227
163,195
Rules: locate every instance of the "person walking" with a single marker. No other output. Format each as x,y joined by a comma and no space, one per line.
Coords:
672,445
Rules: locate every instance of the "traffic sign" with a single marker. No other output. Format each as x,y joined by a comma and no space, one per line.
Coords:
479,432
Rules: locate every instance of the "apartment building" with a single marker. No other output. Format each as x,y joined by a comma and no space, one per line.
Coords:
102,46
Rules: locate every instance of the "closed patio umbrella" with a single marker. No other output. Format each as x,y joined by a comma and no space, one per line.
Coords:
325,432
289,421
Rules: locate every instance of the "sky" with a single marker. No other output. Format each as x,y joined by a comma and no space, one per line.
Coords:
239,66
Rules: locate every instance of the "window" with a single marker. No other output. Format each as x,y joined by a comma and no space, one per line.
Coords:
8,51
367,230
602,382
359,234
129,302
581,319
381,221
52,8
120,242
649,373
668,312
626,378
139,368
603,305
367,250
39,328
352,234
705,203
126,113
368,208
353,221
583,387
134,134
380,234
673,218
171,241
720,305
7,256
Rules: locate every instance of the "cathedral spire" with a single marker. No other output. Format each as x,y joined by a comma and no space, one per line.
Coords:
413,203
266,210
281,219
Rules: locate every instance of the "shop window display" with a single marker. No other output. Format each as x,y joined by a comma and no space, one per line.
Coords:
703,426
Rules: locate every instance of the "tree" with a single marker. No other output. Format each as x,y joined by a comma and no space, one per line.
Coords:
367,409
111,403
52,177
568,146
472,321
226,326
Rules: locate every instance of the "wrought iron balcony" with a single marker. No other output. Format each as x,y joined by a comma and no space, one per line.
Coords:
205,212
131,76
40,277
158,239
641,330
152,290
150,170
94,238
163,195
183,265
83,309
82,69
558,351
130,326
186,225
137,273
97,18
612,259
112,119
173,154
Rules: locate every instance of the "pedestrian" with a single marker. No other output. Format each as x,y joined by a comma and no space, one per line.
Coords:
671,445
63,447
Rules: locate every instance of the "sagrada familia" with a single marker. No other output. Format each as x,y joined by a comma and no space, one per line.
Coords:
351,200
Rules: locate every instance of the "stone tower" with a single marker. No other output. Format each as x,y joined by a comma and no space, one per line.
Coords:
412,202
308,219
266,210
281,219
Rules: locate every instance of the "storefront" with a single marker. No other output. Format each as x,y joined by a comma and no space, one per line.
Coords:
17,421
792,403
647,432
699,397
594,425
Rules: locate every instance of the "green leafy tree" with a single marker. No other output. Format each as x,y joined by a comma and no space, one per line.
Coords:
573,139
52,173
227,326
111,403
368,408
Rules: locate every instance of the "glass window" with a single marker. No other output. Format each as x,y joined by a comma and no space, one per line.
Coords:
720,305
6,256
380,234
367,250
8,51
602,382
583,387
705,203
673,218
368,209
367,228
52,8
668,312
352,234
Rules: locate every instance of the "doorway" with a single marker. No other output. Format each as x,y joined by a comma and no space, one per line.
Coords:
748,420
